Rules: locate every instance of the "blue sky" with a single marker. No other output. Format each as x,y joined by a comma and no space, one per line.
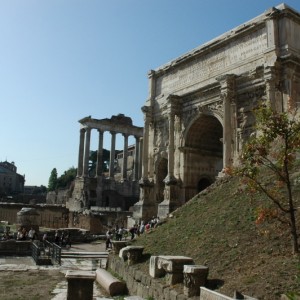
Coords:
62,60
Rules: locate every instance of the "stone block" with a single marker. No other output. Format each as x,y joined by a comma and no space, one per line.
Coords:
173,267
118,245
138,276
132,254
154,271
173,294
194,276
80,285
206,294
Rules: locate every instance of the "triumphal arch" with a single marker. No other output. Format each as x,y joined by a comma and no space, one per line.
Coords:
199,110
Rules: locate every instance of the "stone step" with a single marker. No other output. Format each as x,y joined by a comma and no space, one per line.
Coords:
84,254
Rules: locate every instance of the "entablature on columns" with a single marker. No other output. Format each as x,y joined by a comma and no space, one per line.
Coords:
118,124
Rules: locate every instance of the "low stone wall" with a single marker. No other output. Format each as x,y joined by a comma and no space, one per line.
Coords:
141,284
15,248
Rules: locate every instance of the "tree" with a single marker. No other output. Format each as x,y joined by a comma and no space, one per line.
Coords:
52,180
67,178
93,161
273,150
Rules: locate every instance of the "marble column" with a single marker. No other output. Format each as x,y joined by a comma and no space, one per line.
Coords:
144,209
136,159
140,159
170,179
125,154
229,118
147,118
86,152
81,152
112,155
99,169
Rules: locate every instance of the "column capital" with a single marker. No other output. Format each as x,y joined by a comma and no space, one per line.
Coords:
147,111
227,90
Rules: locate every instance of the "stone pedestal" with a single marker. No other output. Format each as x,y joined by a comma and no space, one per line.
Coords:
28,218
170,202
80,285
132,254
154,271
194,276
118,245
172,266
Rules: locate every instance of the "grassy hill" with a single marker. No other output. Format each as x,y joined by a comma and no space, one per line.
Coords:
217,228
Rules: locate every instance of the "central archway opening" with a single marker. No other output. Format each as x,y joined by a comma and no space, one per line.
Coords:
203,154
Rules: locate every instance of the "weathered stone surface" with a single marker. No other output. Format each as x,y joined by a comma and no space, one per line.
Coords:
173,267
194,276
111,284
132,254
206,294
154,271
173,263
118,245
80,285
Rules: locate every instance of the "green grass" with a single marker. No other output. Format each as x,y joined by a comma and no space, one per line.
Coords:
217,229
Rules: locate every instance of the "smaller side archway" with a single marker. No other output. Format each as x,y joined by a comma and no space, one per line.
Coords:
203,183
162,172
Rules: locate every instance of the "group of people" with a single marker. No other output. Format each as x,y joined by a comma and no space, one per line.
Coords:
23,235
62,239
135,230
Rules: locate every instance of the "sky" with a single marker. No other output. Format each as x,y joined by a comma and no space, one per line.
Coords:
62,60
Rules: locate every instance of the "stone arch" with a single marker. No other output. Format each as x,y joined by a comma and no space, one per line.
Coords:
203,183
203,152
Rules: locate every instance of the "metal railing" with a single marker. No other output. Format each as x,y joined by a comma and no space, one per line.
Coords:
44,250
56,253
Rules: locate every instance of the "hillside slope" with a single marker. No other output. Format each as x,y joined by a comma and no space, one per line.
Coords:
217,228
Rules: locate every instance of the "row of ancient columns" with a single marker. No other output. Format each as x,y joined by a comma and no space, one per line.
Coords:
84,153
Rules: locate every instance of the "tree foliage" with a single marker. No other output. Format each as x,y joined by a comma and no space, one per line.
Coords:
52,180
273,150
93,161
67,178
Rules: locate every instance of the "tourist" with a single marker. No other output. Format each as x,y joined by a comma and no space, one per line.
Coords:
142,227
67,239
24,232
62,237
31,234
133,231
147,227
108,239
56,237
21,235
119,234
45,239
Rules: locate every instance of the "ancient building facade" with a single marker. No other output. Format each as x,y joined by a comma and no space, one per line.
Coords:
199,110
10,181
118,189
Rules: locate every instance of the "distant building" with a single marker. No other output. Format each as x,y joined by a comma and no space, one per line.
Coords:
10,181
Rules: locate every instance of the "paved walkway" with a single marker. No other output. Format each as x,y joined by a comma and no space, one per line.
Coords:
10,263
